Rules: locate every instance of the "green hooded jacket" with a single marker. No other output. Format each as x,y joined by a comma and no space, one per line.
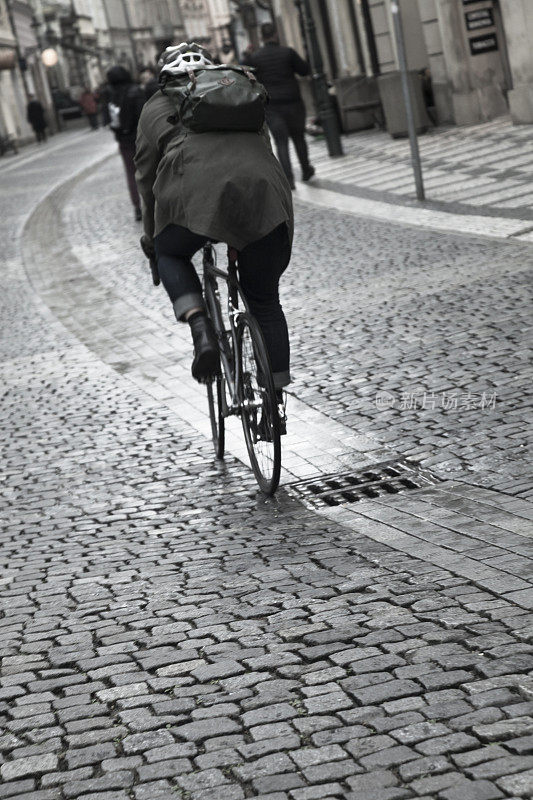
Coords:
227,186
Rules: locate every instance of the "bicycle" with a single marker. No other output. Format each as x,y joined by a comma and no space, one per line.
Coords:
244,386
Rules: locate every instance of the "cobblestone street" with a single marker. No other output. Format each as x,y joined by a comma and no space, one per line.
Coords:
166,631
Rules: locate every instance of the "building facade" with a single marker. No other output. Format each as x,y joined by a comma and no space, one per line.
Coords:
518,22
478,52
197,21
220,19
18,79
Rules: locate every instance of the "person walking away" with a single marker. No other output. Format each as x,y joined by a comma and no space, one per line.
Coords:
103,96
36,118
125,106
148,81
246,54
227,54
276,67
224,185
89,107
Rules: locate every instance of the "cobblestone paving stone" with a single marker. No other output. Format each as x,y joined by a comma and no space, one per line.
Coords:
437,322
165,633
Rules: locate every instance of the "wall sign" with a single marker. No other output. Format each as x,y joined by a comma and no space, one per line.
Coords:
469,2
484,18
483,44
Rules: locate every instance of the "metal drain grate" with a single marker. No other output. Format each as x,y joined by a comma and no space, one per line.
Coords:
389,477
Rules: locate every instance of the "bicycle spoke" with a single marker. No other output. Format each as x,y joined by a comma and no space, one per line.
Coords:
259,410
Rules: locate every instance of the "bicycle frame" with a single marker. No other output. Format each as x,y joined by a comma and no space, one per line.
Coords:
247,388
231,373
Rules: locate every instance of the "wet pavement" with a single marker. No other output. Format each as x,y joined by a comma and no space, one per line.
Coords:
168,632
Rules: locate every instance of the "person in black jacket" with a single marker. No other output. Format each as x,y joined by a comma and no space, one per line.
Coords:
149,81
126,100
276,68
36,118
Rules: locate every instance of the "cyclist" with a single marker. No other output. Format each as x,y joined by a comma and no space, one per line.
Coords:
221,186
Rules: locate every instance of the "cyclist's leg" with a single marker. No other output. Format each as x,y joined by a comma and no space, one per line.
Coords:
261,265
280,132
174,248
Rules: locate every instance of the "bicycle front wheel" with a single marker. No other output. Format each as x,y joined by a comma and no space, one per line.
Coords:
259,408
215,391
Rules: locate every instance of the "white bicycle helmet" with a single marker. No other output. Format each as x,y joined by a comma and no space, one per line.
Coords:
184,57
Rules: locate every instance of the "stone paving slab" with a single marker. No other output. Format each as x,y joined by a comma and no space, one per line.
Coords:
456,162
330,196
165,632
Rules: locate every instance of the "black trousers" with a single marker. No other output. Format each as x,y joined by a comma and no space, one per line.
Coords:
127,151
261,265
287,120
40,133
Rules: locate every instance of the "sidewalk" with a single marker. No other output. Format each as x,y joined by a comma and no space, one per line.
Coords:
482,170
32,150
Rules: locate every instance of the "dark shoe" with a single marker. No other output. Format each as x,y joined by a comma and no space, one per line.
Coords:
292,185
138,214
308,173
206,362
263,429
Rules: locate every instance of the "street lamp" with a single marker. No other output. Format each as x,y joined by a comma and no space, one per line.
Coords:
49,57
324,105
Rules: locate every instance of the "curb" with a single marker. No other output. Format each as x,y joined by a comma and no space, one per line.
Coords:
501,228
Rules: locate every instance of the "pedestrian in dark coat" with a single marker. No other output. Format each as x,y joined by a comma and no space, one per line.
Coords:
276,68
90,107
220,185
246,56
149,82
102,98
36,118
126,100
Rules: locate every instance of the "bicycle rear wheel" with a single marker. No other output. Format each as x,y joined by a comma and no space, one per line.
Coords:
259,409
216,415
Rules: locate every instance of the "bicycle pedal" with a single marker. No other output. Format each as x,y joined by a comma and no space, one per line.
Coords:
282,420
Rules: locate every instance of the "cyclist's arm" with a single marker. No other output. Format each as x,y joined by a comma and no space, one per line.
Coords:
147,158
